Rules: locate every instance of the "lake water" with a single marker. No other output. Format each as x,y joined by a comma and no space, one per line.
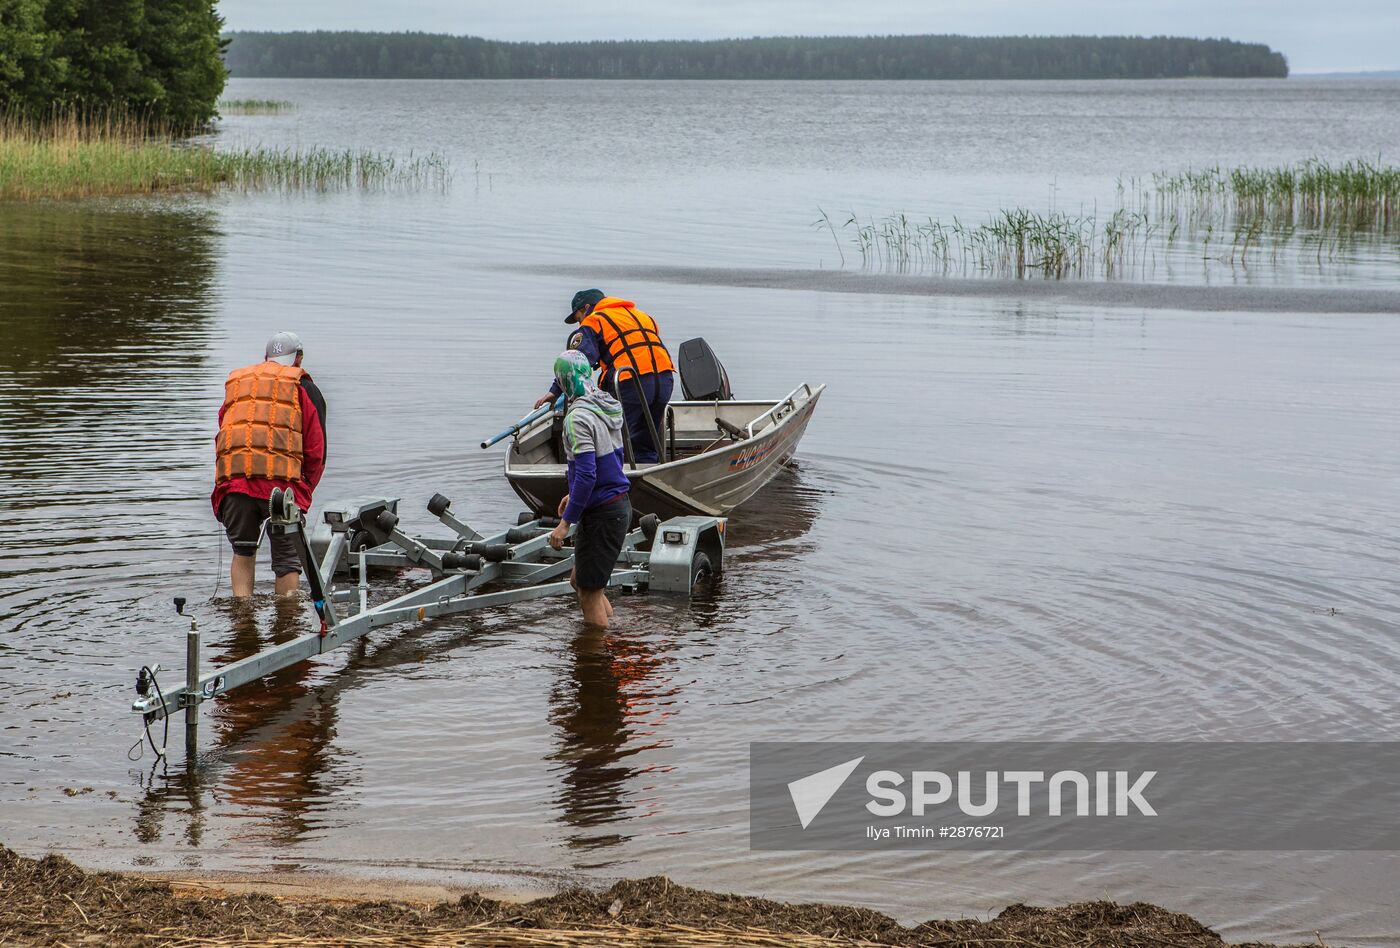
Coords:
1022,512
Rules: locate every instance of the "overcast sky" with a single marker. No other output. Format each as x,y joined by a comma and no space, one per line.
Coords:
1315,36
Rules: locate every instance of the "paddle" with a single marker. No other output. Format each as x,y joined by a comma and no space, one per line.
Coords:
534,416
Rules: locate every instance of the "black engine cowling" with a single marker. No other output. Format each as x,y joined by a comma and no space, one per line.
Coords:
702,376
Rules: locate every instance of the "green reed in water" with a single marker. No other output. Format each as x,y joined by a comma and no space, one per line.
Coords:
1228,216
1014,242
254,106
1350,195
76,155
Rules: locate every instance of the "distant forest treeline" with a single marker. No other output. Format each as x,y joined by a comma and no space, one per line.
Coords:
436,56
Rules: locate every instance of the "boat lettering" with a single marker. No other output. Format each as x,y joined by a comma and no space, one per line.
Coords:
748,457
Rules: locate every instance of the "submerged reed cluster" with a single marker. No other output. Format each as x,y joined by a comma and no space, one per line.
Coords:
324,169
1231,216
254,106
82,155
1014,242
1354,194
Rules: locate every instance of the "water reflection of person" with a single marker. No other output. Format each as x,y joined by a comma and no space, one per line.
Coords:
281,732
607,710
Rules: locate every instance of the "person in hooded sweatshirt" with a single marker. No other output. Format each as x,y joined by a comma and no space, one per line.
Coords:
598,487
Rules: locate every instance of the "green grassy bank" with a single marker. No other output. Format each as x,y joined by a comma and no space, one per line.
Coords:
78,156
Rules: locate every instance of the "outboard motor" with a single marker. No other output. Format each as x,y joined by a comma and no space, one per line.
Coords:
702,376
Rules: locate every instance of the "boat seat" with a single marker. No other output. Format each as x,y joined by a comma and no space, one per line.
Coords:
726,430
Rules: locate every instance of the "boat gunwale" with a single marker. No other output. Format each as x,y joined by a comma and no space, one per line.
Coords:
554,470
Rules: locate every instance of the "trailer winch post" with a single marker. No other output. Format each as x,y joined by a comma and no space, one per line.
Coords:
191,690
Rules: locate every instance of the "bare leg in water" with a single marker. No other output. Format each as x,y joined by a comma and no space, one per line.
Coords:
241,578
241,575
596,608
289,584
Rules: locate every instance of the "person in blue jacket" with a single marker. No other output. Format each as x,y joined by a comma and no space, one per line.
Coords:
597,501
626,344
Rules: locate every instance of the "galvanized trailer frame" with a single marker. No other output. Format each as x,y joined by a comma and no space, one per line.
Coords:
656,556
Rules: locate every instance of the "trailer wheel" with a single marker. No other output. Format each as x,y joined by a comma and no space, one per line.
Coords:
701,571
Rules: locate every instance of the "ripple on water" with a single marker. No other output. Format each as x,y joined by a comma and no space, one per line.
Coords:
1017,515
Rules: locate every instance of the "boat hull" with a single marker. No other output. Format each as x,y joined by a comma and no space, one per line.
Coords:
711,483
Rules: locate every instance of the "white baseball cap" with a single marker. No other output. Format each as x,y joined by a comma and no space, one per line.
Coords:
283,347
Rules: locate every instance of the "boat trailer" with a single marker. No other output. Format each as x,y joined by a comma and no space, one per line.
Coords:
665,557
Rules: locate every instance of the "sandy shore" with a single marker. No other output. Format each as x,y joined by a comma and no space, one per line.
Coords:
50,901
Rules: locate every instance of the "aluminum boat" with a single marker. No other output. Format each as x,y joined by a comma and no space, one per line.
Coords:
717,454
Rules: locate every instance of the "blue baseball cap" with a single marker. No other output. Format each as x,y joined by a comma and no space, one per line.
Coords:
581,299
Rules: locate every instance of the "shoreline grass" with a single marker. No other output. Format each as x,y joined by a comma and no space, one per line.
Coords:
254,106
77,156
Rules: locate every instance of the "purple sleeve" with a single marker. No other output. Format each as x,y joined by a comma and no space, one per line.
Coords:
583,474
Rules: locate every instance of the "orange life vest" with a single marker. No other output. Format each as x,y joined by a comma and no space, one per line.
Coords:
260,435
630,338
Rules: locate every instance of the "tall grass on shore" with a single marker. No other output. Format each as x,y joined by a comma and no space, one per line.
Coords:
76,155
254,106
1228,216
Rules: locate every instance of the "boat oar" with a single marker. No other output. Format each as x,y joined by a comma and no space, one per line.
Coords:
534,416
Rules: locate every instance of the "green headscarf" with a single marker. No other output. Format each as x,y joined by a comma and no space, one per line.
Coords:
574,374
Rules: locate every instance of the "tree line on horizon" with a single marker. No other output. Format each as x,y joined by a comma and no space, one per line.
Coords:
158,59
365,55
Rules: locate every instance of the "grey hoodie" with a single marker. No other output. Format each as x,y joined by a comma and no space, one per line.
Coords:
593,430
593,423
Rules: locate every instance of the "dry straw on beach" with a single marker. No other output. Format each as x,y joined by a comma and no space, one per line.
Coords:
51,901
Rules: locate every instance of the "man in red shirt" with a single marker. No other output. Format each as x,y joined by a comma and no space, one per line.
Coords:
272,433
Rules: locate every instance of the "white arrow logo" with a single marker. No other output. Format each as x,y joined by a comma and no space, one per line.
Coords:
811,793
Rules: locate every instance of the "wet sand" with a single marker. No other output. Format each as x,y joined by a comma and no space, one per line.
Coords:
51,901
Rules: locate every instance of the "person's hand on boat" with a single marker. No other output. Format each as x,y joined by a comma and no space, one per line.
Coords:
544,399
558,534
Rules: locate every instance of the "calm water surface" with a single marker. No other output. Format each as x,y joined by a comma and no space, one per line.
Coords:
1015,517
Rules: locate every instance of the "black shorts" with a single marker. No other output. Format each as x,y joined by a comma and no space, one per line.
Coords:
598,540
242,517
